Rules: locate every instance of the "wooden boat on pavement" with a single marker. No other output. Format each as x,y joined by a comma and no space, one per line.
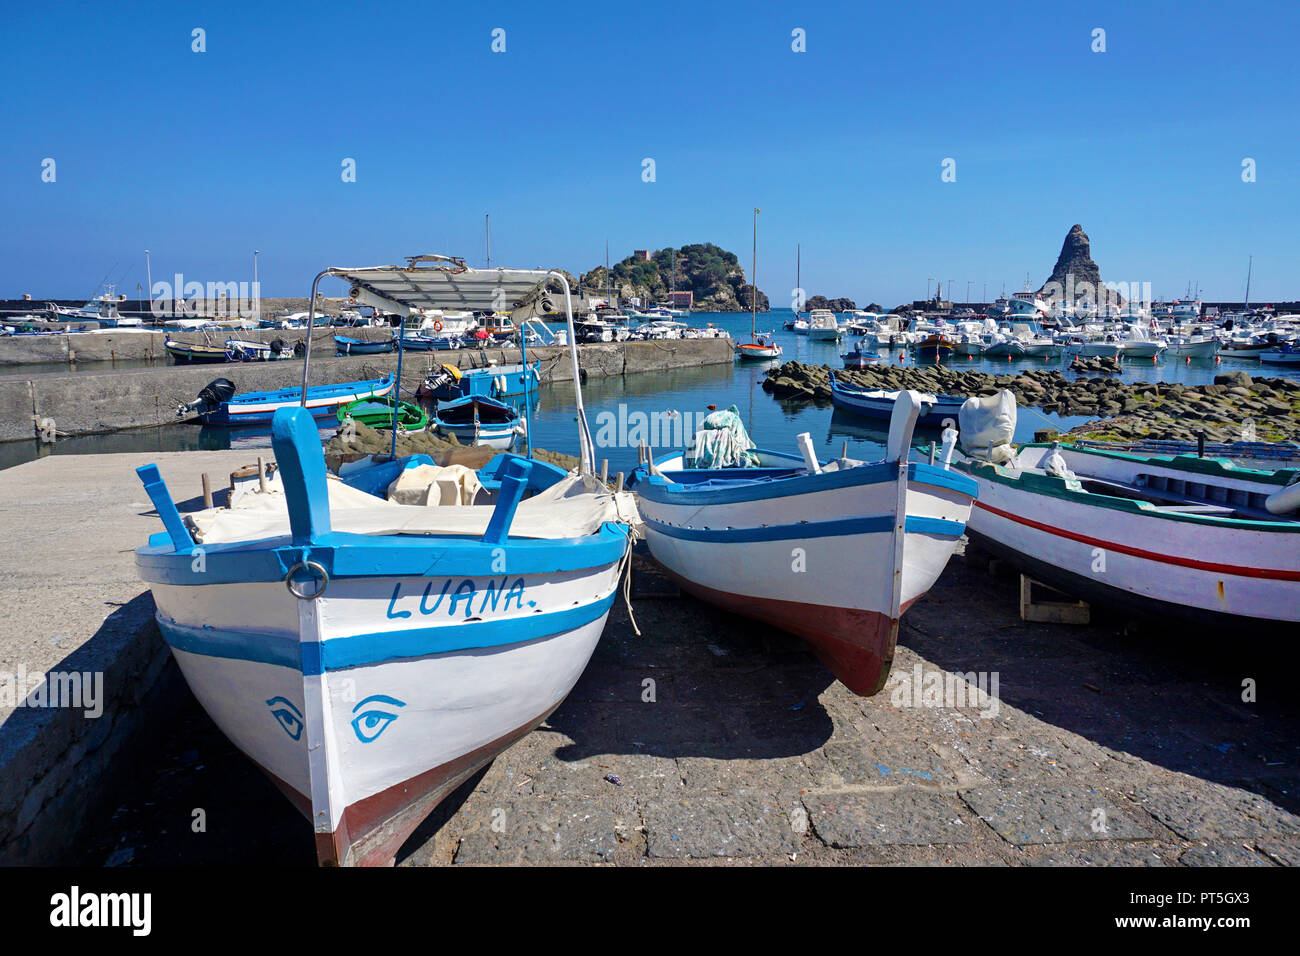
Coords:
1196,538
195,353
834,553
370,656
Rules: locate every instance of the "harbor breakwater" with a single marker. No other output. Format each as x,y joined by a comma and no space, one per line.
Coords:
65,404
1217,411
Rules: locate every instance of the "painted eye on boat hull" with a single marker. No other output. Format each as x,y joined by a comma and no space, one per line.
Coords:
287,716
368,724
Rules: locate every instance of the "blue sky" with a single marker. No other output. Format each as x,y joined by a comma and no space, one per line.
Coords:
203,157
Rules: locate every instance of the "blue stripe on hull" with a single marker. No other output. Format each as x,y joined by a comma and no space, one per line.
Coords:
357,650
876,524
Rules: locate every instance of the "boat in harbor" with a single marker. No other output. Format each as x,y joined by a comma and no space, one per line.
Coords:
1284,354
934,347
725,520
822,326
369,655
195,353
1166,535
861,357
217,403
1192,346
350,346
251,350
448,382
761,346
479,420
879,403
377,412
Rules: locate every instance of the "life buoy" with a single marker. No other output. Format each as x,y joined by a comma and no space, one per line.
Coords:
437,326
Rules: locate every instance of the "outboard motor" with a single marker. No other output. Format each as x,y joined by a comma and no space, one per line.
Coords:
211,396
277,347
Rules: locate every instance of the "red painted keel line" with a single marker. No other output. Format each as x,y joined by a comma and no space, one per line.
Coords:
1272,574
856,646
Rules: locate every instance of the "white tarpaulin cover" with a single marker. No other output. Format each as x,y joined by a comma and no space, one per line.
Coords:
987,425
437,282
567,509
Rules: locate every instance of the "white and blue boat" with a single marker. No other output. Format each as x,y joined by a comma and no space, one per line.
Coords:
349,346
371,656
220,405
833,552
494,381
479,420
879,403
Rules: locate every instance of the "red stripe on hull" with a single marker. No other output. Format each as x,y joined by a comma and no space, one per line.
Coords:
372,830
1271,574
856,646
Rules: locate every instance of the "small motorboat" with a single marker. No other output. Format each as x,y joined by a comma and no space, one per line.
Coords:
192,353
217,405
879,403
447,382
349,346
934,347
249,350
861,357
377,412
479,420
1284,354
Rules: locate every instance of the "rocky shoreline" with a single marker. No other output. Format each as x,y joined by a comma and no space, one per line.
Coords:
1122,410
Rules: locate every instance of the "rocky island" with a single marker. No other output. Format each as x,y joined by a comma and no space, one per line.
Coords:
713,275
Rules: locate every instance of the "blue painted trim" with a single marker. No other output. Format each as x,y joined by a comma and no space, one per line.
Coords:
922,474
919,524
302,470
876,524
156,489
358,650
513,483
365,556
655,488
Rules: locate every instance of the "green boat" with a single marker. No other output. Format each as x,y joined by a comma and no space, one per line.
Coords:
376,411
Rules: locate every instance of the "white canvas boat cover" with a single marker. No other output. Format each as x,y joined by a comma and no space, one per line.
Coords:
987,425
574,507
440,282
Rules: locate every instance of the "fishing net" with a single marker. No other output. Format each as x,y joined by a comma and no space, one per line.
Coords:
722,442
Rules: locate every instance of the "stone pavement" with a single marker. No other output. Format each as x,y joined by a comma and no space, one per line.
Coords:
712,740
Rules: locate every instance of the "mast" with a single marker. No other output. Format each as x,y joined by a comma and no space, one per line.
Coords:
753,284
1249,268
798,272
487,226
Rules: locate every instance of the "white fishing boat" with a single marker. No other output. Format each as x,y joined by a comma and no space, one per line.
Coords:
370,655
834,552
1198,538
1192,346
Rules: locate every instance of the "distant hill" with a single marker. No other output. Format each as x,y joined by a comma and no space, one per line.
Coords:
713,274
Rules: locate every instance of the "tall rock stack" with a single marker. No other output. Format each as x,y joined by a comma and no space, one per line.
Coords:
1076,277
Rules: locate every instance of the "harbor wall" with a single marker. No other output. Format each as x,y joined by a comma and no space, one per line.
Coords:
91,402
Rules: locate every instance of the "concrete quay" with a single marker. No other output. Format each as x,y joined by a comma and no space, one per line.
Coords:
90,402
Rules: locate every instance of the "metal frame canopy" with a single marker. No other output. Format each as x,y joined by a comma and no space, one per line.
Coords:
445,282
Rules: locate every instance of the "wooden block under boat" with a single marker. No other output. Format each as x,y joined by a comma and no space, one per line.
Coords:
1043,604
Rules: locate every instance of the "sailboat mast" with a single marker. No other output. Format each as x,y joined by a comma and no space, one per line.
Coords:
798,274
1249,268
487,226
753,285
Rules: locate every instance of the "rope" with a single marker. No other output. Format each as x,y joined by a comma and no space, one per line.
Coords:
626,561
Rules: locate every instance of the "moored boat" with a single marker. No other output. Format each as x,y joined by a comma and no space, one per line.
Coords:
220,406
879,403
377,412
195,353
866,539
479,420
350,346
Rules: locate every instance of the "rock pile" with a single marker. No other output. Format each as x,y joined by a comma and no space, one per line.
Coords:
1127,410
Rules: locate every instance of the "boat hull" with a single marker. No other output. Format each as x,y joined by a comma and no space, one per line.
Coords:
323,401
818,554
1142,560
932,413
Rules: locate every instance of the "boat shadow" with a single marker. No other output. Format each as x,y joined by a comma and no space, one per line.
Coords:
1168,693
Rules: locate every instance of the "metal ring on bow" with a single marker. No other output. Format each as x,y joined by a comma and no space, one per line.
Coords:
310,566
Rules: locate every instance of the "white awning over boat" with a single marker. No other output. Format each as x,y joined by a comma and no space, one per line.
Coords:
439,282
